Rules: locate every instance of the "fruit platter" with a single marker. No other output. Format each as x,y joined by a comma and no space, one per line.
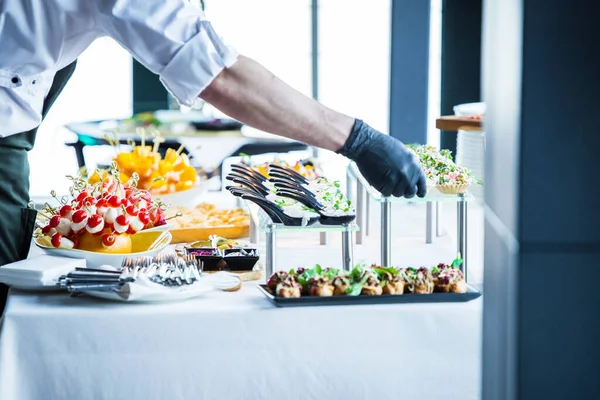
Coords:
104,218
442,172
170,176
291,199
369,285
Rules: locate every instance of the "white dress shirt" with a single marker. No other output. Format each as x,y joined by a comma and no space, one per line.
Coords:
39,37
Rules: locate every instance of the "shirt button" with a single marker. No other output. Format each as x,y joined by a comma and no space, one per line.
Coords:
15,79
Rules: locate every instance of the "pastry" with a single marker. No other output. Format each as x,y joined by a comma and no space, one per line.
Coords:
276,279
320,286
341,284
394,284
371,287
453,280
418,281
288,288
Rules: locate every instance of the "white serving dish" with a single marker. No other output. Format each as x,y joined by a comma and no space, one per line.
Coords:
97,260
184,198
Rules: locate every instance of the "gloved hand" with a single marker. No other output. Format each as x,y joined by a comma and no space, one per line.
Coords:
385,162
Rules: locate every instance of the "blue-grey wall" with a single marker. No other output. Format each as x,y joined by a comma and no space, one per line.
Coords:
541,305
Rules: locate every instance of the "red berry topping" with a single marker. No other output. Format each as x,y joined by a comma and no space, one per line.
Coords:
81,196
75,240
90,201
122,220
79,216
108,239
65,210
144,217
56,239
46,229
95,220
114,201
131,211
54,221
102,203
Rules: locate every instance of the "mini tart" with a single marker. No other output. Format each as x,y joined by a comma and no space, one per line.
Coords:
459,287
288,288
418,281
453,188
451,280
340,285
372,287
394,284
320,286
394,287
276,279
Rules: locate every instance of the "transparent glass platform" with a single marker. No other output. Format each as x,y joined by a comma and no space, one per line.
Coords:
433,195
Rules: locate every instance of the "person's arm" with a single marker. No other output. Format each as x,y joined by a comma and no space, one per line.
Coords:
251,94
174,40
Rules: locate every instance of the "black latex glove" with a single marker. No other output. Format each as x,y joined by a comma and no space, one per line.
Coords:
385,162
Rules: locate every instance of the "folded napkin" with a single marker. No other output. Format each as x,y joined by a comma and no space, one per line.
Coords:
38,272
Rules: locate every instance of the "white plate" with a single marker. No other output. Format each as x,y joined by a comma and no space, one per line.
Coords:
184,198
147,292
96,260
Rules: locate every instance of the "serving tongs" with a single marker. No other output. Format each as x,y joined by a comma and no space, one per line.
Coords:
273,209
247,176
248,171
288,171
285,176
258,188
312,202
280,183
240,191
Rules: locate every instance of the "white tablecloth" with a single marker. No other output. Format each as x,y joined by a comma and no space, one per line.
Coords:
236,346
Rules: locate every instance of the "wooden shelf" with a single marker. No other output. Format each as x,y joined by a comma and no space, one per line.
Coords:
452,123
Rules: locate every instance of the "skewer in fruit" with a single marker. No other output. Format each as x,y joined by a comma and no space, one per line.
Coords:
101,217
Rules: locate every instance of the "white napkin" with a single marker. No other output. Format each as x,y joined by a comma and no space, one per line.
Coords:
38,272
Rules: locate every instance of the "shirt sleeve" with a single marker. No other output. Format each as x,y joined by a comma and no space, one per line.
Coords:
171,38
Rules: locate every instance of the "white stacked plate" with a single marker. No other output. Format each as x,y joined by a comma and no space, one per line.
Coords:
470,146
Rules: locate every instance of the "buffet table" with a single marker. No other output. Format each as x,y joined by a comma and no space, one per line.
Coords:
236,346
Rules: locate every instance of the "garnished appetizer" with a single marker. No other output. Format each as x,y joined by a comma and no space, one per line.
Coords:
100,217
391,280
449,278
341,285
371,286
276,279
320,285
288,288
370,281
441,171
418,280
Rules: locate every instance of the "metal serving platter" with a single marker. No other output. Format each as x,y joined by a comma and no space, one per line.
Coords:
304,301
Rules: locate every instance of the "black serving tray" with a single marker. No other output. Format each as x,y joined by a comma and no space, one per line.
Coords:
304,301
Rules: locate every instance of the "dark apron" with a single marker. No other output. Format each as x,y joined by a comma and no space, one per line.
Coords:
17,222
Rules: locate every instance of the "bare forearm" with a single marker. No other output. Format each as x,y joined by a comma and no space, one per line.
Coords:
251,94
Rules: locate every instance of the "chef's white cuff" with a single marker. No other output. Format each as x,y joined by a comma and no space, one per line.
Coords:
196,64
